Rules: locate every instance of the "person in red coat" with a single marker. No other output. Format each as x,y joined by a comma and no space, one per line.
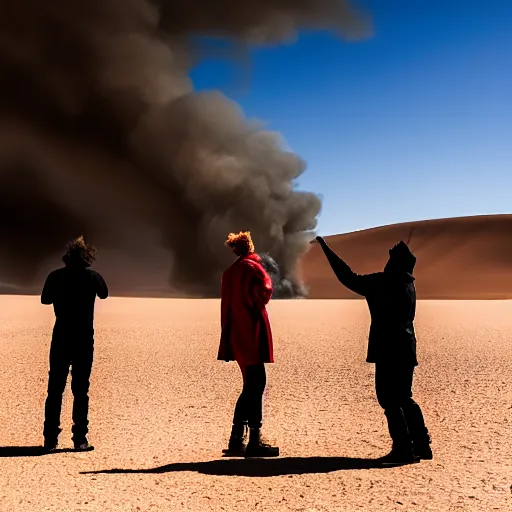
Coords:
246,338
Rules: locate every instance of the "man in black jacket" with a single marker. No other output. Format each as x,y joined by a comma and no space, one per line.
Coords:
72,290
391,298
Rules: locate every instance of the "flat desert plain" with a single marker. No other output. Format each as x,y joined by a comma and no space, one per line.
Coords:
161,408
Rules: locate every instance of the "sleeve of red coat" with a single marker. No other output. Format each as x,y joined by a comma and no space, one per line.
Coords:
261,286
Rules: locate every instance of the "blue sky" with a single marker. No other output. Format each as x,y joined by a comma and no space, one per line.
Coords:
412,123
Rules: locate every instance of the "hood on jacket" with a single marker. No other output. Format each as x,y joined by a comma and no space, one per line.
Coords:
401,259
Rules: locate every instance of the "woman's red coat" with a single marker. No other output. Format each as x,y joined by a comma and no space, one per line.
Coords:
246,334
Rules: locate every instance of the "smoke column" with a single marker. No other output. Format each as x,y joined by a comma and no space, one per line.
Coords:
283,288
103,135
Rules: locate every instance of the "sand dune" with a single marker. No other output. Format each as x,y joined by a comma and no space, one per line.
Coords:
462,258
161,409
459,258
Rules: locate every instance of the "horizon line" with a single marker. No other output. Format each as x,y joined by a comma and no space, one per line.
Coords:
434,219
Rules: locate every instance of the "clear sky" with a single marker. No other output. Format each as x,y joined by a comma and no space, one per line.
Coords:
412,123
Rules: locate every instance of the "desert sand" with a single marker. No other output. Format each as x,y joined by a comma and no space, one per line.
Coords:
161,408
458,258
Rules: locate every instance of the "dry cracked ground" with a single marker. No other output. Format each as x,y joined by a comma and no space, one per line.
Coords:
161,408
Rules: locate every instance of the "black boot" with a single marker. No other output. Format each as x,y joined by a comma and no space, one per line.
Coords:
256,447
51,439
50,444
82,445
400,454
422,448
237,440
418,430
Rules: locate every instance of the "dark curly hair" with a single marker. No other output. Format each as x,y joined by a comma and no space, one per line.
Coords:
79,252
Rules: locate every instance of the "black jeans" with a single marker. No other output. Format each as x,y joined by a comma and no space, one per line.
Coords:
393,384
249,407
77,353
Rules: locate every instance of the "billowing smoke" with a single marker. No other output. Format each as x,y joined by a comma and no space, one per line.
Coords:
101,134
283,287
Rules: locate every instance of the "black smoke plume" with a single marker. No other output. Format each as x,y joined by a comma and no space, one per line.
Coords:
101,134
283,288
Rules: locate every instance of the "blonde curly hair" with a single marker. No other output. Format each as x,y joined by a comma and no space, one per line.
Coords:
240,243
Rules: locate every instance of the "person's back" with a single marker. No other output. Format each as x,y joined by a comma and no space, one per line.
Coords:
392,303
72,290
234,282
246,337
246,289
391,298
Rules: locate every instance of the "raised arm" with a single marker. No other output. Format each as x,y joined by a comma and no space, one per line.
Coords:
359,284
48,293
101,286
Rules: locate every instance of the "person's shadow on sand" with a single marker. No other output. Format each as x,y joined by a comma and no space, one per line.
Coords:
262,467
29,451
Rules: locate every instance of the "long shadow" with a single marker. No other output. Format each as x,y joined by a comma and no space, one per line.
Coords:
262,467
29,451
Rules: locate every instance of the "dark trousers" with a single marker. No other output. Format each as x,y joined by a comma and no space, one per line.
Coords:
393,384
66,353
249,407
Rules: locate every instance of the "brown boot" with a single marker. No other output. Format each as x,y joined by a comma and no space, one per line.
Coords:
259,448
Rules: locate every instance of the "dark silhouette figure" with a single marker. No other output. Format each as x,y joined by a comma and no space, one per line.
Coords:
246,337
262,467
391,298
72,290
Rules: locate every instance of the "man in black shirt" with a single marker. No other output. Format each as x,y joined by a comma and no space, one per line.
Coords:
391,298
72,290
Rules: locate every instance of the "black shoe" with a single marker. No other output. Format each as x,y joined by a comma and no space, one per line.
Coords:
423,452
236,447
237,441
50,445
400,456
256,447
234,450
83,446
422,447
